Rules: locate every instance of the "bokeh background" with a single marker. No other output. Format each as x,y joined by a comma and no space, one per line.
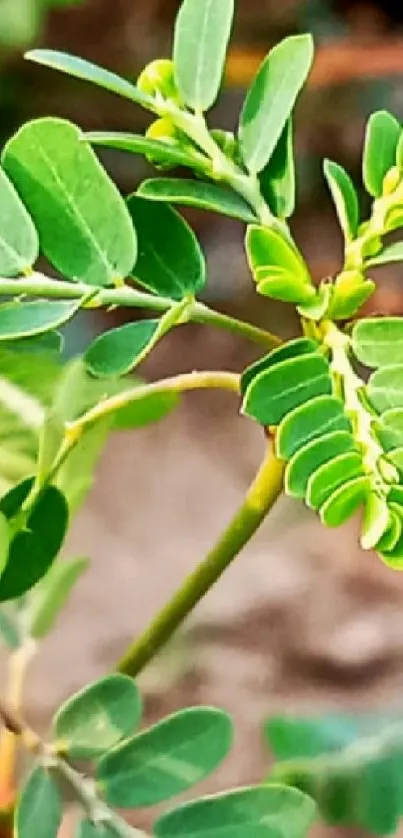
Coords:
303,620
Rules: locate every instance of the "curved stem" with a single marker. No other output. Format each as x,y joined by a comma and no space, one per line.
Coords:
39,285
261,496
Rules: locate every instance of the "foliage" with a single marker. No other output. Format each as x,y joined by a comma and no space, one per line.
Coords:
329,401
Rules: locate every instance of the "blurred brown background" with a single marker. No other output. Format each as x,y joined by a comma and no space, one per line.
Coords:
303,620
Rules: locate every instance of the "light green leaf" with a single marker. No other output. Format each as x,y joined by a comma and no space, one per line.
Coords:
87,829
272,257
166,759
34,548
291,349
329,476
202,32
350,291
46,342
95,719
381,139
391,253
51,595
396,457
155,150
170,261
278,390
257,812
344,502
316,307
277,180
344,196
321,415
280,284
385,387
195,193
308,459
39,811
393,420
392,535
271,99
378,340
22,320
116,352
376,521
81,69
19,245
86,233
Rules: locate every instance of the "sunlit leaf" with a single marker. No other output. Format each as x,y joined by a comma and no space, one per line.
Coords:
376,520
385,387
332,474
344,501
379,340
344,196
381,139
194,193
19,245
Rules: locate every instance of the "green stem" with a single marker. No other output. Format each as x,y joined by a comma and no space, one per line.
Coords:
261,496
38,285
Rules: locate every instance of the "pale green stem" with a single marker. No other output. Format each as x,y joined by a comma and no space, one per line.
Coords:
260,498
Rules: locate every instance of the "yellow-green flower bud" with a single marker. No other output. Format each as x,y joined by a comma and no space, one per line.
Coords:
391,180
158,78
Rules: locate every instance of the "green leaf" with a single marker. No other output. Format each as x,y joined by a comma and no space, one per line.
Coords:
321,415
381,139
392,535
350,291
155,150
376,521
257,812
308,459
391,253
5,537
345,198
51,595
22,320
202,32
194,193
88,829
95,719
294,737
344,502
86,233
166,759
33,548
170,261
116,352
329,476
377,340
46,342
316,307
291,349
81,69
271,99
396,457
278,390
277,179
19,245
272,258
393,419
385,387
39,811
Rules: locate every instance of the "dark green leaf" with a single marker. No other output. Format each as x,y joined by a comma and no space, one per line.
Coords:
97,717
381,139
161,152
391,253
5,536
118,351
21,320
81,69
345,198
321,415
308,459
329,476
39,811
271,99
195,193
170,260
344,501
34,548
291,349
202,32
385,387
166,759
51,595
277,180
19,245
258,812
378,340
86,233
278,390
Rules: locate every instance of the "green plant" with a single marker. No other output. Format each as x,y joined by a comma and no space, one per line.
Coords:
332,438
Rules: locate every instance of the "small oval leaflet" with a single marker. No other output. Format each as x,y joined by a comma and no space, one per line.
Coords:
313,455
95,719
246,812
271,99
82,221
385,388
329,476
170,261
24,320
202,32
166,759
344,501
19,244
194,193
344,196
378,340
267,248
156,150
116,352
291,349
381,140
319,416
376,521
39,811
